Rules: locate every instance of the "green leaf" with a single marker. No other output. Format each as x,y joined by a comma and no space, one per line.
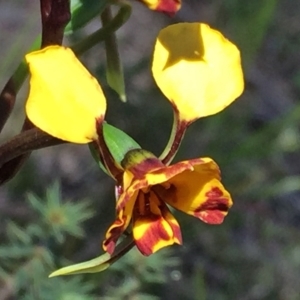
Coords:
118,142
114,68
57,216
82,13
97,264
100,263
96,157
102,33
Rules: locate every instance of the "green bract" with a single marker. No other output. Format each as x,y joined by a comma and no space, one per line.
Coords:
83,12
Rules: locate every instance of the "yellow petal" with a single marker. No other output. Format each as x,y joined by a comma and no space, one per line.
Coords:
198,192
154,227
143,181
119,226
64,99
197,69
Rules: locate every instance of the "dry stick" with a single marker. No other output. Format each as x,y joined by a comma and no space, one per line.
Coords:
17,148
25,142
7,101
55,16
78,48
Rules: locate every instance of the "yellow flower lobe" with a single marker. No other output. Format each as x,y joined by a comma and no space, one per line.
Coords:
197,69
64,99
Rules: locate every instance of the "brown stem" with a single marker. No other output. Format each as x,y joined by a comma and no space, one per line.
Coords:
105,156
9,92
55,15
127,244
24,142
18,148
178,130
7,101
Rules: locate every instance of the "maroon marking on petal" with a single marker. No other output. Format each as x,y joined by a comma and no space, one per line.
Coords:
121,204
154,234
196,161
139,184
119,190
119,222
215,192
214,209
169,7
161,192
140,162
213,217
144,247
156,226
146,166
176,232
113,235
175,227
110,246
155,230
220,204
172,171
162,232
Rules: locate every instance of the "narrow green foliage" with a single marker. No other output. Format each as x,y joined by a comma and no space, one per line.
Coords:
100,263
149,267
114,68
118,143
101,34
27,256
97,264
83,12
72,288
138,271
61,218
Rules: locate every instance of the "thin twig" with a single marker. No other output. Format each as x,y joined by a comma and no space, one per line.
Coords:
55,15
25,142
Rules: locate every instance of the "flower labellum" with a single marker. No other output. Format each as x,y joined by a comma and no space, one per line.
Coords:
166,6
192,186
64,100
197,69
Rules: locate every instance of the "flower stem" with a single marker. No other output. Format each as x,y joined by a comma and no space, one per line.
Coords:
105,156
9,92
16,150
102,33
55,16
26,141
177,134
122,248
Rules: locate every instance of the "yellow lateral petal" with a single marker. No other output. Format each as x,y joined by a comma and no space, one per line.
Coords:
152,234
64,98
119,226
154,227
198,192
197,69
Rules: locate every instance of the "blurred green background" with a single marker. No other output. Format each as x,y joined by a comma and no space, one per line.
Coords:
253,255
